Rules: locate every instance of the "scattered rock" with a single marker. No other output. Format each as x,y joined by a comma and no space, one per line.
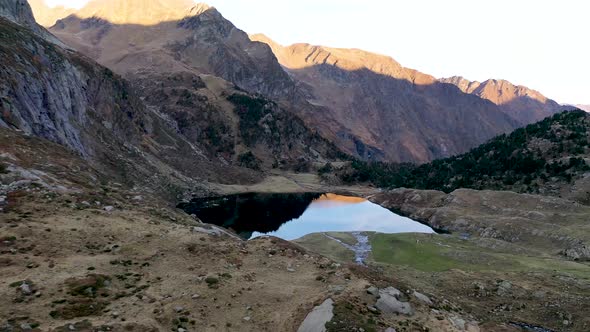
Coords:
316,320
373,290
26,327
504,288
581,253
390,304
247,318
109,208
422,298
25,288
336,289
391,291
458,322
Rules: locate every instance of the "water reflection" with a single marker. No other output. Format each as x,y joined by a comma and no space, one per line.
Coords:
334,213
291,216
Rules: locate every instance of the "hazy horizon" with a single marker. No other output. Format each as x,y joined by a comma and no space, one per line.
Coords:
538,44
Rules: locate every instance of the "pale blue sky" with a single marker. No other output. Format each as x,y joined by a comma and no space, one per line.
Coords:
542,44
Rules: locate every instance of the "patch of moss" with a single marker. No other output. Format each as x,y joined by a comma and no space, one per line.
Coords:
87,286
79,308
347,317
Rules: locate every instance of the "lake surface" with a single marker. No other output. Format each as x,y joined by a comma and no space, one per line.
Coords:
291,216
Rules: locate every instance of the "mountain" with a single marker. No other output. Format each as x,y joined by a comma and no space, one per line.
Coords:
163,36
523,104
60,95
186,60
405,114
548,157
380,111
172,139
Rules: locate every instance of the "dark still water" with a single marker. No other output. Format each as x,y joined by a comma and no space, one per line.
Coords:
291,216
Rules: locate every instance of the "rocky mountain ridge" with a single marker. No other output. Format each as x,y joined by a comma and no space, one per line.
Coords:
523,104
405,114
409,117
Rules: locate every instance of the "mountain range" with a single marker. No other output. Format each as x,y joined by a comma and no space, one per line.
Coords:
139,106
369,105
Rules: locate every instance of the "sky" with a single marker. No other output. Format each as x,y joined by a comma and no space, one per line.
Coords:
542,44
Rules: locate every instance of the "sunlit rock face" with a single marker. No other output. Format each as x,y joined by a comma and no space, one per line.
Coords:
523,104
140,11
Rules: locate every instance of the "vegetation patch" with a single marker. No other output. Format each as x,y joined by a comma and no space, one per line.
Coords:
79,308
249,160
3,168
551,151
87,286
405,249
348,317
327,247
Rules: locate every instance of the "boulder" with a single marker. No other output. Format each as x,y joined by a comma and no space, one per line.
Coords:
316,320
422,298
390,304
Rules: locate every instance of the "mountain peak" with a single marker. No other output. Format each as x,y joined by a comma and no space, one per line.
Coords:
200,8
142,12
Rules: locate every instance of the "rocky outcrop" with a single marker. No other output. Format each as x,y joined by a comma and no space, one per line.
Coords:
581,253
519,102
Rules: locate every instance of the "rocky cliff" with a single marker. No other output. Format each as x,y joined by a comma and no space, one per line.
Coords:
521,103
171,132
60,95
18,11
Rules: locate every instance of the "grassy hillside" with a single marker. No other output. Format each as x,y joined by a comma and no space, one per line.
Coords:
551,152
